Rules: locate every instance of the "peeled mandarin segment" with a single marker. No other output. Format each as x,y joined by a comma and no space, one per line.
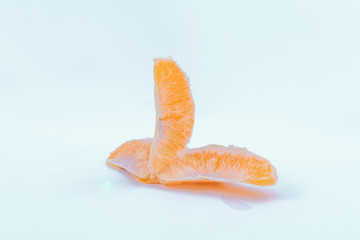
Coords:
174,115
133,156
212,163
165,158
216,163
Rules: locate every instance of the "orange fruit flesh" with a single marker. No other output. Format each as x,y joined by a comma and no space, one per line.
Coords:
175,110
212,163
219,163
165,158
133,156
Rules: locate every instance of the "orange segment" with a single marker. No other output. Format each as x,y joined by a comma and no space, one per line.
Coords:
165,158
221,164
133,156
212,163
174,115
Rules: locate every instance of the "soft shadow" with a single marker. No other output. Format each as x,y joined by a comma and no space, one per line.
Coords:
233,195
225,189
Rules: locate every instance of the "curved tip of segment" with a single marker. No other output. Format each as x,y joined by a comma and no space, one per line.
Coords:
159,59
167,68
160,63
269,180
162,60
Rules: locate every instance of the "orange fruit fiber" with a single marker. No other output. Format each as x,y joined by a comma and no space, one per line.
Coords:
166,159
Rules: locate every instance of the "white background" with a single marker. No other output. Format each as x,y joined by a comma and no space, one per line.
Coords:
278,77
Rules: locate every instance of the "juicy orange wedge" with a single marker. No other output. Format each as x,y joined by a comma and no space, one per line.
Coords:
174,116
165,158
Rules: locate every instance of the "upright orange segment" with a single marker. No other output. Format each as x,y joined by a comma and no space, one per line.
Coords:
174,115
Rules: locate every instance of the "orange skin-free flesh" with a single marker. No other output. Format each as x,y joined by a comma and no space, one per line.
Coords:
212,163
133,156
165,158
175,111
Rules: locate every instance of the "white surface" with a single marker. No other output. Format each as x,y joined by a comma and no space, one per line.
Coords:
278,77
